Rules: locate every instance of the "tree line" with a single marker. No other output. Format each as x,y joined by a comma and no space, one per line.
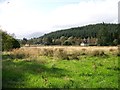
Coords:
102,34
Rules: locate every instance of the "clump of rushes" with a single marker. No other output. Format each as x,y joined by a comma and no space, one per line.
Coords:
50,52
24,53
46,52
18,54
74,55
83,51
43,52
114,51
118,54
61,53
97,53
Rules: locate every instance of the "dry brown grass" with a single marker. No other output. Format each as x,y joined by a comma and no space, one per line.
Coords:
63,52
24,52
60,53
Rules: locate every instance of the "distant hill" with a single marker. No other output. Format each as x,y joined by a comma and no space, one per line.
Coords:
34,35
103,32
83,32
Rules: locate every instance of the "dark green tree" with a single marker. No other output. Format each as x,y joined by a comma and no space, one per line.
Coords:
8,42
103,36
15,43
118,34
67,42
24,41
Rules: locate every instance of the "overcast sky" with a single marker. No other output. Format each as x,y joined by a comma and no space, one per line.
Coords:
27,16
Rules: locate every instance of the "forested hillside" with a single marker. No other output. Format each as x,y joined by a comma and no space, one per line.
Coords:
8,42
97,34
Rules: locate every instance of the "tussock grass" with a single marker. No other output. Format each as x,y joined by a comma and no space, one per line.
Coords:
60,53
24,53
97,53
63,52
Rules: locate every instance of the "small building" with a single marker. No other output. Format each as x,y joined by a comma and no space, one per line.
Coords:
27,45
82,44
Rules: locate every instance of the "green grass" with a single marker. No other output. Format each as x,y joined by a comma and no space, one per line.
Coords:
46,72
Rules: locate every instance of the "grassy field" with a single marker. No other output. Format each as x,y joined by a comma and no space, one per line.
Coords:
61,67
